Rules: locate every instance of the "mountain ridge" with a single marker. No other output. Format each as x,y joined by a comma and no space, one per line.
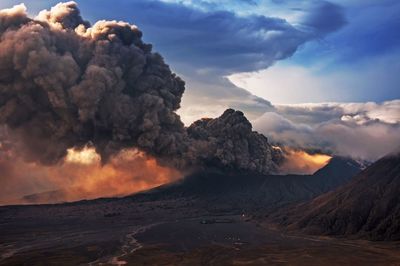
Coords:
268,189
367,207
261,190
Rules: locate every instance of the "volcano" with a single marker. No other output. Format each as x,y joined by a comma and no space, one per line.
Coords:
235,192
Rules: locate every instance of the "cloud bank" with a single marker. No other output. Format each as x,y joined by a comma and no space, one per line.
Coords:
360,130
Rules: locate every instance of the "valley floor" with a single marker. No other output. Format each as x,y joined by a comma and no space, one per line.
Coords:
169,232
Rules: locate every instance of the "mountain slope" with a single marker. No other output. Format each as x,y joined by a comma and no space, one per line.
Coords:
255,190
367,207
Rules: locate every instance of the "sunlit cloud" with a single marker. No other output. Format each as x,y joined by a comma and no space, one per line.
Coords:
80,176
359,130
293,83
302,162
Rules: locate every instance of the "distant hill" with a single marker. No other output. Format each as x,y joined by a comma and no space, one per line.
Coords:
254,190
367,207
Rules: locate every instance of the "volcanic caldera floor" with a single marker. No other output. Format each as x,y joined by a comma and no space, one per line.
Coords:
167,232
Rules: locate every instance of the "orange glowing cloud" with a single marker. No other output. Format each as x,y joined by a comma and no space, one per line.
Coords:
81,176
84,156
301,162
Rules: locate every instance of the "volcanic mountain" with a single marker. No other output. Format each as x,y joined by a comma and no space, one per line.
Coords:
234,190
367,207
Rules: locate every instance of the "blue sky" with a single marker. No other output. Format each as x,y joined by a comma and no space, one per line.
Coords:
279,51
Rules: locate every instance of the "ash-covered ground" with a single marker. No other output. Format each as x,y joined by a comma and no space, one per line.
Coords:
166,232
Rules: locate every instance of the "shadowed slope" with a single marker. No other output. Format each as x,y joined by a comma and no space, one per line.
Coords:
255,190
367,207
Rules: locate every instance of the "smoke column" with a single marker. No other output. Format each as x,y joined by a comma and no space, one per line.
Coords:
65,84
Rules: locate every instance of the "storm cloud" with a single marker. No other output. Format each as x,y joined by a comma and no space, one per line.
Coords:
205,41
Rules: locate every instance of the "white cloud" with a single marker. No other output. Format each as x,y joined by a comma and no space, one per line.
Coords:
372,78
282,84
388,112
359,130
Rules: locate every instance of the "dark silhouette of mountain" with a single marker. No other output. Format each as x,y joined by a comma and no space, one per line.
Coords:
368,207
237,190
255,190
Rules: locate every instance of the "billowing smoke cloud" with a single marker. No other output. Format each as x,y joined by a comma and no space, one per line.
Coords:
229,142
360,130
65,84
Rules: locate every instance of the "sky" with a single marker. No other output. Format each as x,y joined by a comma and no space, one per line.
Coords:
247,54
302,71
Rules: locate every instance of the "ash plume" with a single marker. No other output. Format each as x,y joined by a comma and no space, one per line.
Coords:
228,142
65,83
